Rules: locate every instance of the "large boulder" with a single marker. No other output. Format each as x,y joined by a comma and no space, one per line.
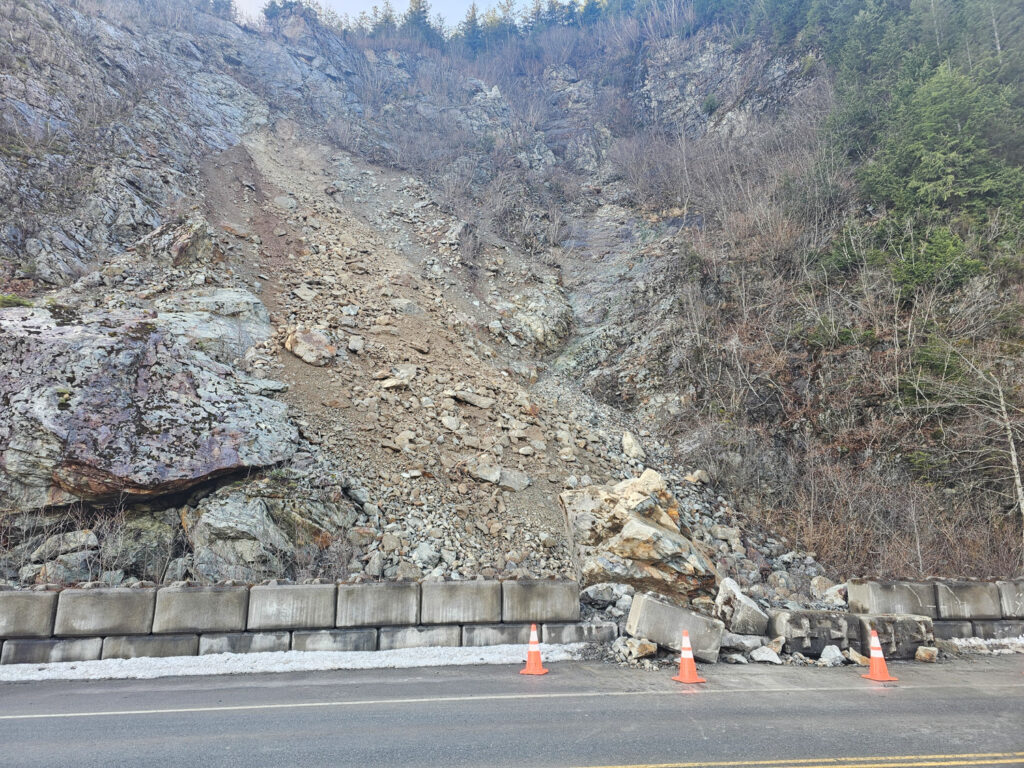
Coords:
739,612
224,322
108,406
630,533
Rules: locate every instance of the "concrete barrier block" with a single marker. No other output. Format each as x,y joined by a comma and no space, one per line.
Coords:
998,630
201,609
539,600
968,600
873,597
947,630
150,646
51,651
392,638
656,619
1011,598
460,602
808,632
292,606
497,634
27,614
244,642
563,634
335,640
378,604
89,612
900,634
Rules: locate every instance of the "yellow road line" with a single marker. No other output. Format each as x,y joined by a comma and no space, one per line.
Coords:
876,761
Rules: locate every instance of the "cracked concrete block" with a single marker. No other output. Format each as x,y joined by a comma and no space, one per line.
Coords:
968,600
115,611
497,634
560,633
154,646
244,642
1011,598
540,600
292,606
809,632
460,602
201,609
913,597
51,651
378,604
27,614
900,634
655,618
419,637
345,640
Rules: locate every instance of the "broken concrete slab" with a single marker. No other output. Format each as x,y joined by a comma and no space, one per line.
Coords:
808,632
968,600
912,597
900,634
655,618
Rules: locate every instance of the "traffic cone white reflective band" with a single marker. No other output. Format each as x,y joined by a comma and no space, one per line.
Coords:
876,646
878,671
687,666
533,635
534,666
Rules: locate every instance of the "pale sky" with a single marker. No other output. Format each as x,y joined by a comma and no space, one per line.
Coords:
452,10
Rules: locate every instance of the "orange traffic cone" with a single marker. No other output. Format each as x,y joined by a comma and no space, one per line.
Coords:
533,662
878,671
687,667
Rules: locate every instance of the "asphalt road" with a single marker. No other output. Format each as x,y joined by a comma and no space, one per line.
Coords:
968,713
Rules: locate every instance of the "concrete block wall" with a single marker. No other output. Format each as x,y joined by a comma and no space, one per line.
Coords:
955,609
88,624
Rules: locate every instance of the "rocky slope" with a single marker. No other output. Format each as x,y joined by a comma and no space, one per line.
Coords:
265,339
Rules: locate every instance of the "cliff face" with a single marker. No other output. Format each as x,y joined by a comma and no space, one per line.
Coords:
305,306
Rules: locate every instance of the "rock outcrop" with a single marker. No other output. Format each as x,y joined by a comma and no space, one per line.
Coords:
107,406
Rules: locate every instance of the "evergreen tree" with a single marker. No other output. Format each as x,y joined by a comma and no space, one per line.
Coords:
416,23
470,31
590,12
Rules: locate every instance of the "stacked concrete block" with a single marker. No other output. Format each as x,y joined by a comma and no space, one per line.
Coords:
496,634
947,630
27,614
1011,598
201,609
292,606
378,604
244,642
101,612
655,618
998,630
537,600
51,651
559,633
899,634
915,598
968,600
153,646
808,632
460,602
335,640
392,638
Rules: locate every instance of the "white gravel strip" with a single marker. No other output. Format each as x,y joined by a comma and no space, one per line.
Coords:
281,661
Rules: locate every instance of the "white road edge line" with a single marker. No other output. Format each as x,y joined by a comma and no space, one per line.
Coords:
485,697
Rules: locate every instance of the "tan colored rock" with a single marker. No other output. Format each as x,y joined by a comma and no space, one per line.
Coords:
926,654
311,346
856,657
631,447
